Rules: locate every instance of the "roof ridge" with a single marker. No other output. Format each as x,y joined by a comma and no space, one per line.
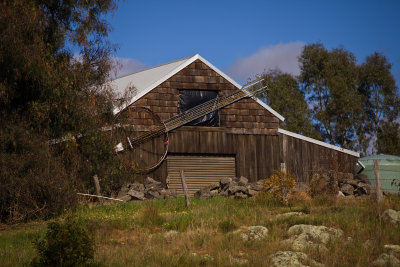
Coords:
157,66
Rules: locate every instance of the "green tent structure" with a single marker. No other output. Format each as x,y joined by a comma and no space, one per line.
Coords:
389,166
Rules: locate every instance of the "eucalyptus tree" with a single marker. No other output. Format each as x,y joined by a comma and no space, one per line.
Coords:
329,80
381,99
285,97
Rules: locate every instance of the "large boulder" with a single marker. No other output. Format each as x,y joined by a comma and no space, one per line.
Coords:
136,195
232,189
150,180
391,216
347,189
304,236
387,260
243,181
292,259
362,178
249,233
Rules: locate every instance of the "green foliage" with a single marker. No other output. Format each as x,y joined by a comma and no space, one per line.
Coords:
65,244
227,226
285,97
150,215
329,79
54,57
381,99
281,185
389,138
33,183
351,103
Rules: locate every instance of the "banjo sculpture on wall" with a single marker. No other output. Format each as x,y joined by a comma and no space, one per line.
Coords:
145,151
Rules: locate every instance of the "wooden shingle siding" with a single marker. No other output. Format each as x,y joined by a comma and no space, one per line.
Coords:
164,100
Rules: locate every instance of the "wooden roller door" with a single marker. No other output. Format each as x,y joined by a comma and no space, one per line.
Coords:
199,171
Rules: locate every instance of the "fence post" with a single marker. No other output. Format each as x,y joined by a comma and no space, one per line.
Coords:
185,190
283,166
379,196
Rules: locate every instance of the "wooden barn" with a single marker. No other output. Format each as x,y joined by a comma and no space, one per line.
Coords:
240,139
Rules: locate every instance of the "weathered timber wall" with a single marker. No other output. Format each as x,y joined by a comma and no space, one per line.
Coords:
257,155
302,158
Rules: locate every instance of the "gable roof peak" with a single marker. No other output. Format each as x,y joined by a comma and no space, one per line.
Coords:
146,80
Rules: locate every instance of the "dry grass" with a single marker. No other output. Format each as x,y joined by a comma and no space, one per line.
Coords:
133,234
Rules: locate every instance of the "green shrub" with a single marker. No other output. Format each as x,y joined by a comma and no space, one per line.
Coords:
65,244
150,215
281,185
227,226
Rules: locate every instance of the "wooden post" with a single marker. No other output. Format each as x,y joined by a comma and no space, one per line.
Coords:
379,196
97,186
283,166
185,190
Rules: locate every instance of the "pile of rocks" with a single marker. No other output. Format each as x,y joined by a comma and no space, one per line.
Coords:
354,186
228,187
150,189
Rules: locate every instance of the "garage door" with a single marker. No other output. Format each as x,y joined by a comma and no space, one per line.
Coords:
199,171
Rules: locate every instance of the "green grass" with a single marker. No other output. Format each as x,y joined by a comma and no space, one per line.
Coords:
132,234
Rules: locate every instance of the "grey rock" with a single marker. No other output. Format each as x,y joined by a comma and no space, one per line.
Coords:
340,195
123,191
391,216
233,189
363,178
137,187
292,259
252,192
240,195
153,194
304,236
352,182
256,187
393,250
387,260
136,194
211,187
214,193
347,189
125,198
243,181
150,180
225,181
224,193
249,233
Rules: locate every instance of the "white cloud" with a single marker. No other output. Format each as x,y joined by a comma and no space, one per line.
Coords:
126,66
282,56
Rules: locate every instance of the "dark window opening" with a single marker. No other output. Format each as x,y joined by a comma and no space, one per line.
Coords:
191,98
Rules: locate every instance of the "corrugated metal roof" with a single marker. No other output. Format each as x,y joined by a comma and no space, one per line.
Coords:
317,142
146,80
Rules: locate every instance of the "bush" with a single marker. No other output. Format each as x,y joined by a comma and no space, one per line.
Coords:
227,226
150,215
65,244
281,185
33,184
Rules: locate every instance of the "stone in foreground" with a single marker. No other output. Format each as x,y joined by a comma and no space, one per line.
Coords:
248,233
292,259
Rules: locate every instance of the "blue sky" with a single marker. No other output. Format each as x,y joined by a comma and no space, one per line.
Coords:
243,38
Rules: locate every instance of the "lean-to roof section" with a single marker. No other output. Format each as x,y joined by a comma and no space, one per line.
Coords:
317,142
